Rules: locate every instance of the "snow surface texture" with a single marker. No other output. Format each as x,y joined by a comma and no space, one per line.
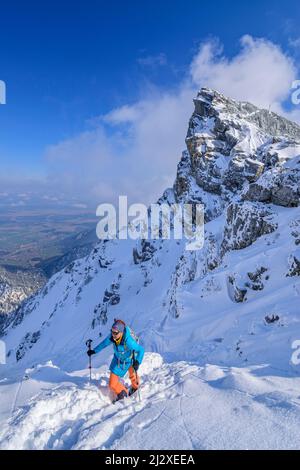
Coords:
218,324
183,406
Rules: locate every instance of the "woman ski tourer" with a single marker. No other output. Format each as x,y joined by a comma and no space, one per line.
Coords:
128,355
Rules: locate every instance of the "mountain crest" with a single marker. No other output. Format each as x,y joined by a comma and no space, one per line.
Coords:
235,149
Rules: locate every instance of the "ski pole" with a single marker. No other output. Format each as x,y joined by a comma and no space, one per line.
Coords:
89,346
136,377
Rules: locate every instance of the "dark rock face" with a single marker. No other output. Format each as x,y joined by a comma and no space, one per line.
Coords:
145,253
182,184
241,169
238,293
27,343
283,189
111,297
294,263
257,192
256,279
18,285
236,149
295,231
209,101
245,223
271,319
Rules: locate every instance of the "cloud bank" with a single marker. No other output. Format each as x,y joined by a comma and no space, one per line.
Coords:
260,73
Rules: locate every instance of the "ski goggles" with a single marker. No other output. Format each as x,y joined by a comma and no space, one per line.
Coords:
115,333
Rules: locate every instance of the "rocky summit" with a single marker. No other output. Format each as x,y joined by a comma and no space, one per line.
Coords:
237,149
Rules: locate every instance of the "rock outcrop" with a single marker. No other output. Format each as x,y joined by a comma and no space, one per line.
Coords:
235,148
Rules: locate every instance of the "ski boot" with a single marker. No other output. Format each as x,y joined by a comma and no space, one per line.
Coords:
120,396
132,390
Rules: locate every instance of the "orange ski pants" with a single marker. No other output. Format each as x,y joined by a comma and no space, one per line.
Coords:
116,386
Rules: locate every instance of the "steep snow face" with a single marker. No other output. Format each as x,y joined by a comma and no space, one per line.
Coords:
233,303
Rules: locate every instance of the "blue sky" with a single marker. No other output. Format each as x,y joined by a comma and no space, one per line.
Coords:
67,64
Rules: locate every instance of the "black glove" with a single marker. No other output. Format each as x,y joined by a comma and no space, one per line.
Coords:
90,352
135,365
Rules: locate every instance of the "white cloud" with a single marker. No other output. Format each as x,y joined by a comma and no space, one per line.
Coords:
295,43
124,114
80,206
153,60
17,204
134,149
260,73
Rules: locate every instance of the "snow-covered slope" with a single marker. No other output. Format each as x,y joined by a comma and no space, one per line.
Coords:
233,304
16,285
182,406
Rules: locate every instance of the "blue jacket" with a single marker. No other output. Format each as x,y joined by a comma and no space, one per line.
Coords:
123,353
